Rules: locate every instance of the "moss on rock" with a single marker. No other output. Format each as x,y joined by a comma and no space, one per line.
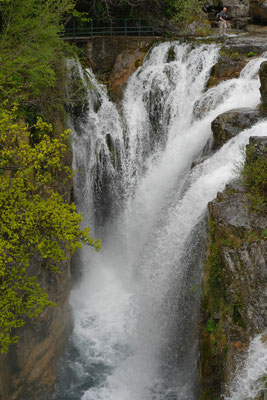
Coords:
234,281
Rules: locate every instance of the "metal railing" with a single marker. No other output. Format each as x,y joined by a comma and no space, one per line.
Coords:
117,27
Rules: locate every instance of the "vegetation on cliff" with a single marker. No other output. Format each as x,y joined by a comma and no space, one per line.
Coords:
37,226
181,12
234,272
255,179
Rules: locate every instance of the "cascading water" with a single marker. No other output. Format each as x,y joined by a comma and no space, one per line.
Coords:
136,308
250,378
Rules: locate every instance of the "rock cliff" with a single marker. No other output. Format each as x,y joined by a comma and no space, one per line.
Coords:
115,58
236,246
235,272
28,370
235,282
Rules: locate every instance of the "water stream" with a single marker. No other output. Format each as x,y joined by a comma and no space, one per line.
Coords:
136,307
249,380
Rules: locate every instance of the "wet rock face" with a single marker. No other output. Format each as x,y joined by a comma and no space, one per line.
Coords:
258,10
231,123
115,58
263,79
27,372
234,283
226,68
126,63
243,256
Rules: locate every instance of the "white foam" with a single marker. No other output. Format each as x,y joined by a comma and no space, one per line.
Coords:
130,308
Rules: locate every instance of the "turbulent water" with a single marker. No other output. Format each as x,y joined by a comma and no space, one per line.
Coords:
136,306
249,381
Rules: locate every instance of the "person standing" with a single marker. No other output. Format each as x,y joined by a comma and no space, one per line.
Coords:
222,22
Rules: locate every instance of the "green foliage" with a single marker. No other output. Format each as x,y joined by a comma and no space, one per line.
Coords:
36,223
30,48
214,278
254,176
187,11
229,52
181,11
210,326
251,54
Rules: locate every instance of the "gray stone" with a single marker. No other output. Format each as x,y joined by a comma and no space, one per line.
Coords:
260,145
237,8
231,123
246,44
237,11
229,67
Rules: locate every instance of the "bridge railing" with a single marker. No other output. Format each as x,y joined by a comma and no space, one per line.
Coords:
118,27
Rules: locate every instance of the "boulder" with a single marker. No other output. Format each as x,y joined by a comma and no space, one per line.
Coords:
229,67
231,123
263,79
258,10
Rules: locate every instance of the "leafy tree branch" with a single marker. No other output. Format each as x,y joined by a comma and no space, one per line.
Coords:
35,221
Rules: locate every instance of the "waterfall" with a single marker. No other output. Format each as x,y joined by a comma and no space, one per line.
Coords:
136,308
250,378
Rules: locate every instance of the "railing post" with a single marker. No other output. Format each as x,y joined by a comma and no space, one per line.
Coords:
153,28
91,26
125,27
139,26
111,28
